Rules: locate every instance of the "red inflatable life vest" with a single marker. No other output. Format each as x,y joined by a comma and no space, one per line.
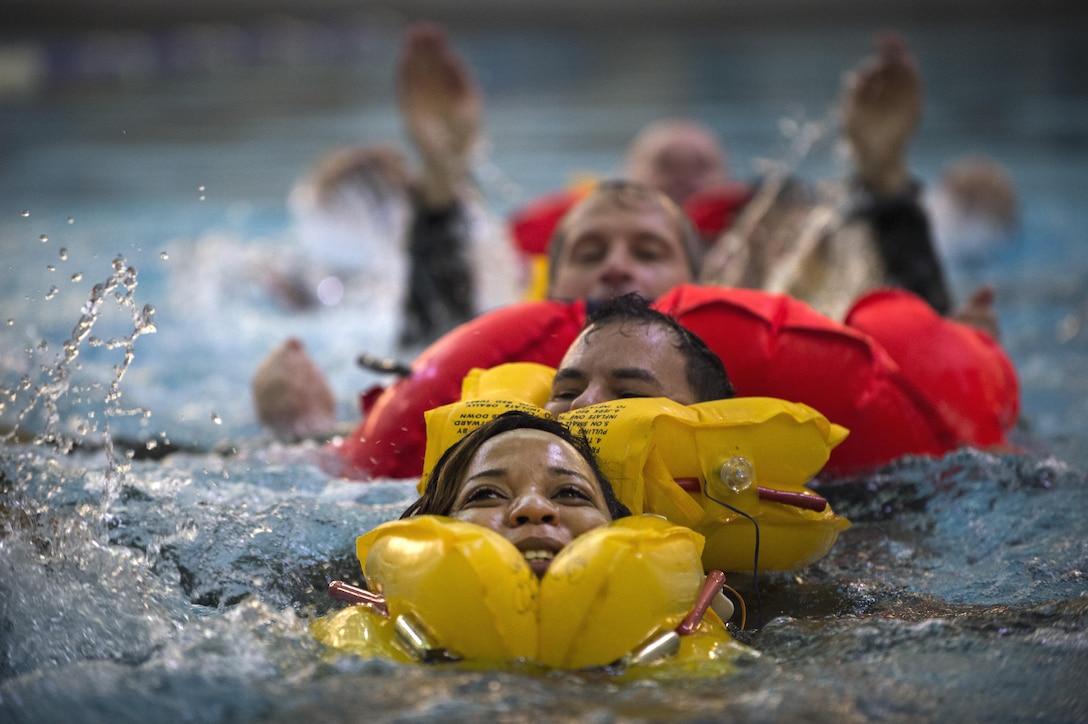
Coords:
776,346
901,378
533,225
713,210
392,438
964,372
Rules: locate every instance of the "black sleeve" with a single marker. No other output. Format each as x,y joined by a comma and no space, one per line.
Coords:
439,294
905,242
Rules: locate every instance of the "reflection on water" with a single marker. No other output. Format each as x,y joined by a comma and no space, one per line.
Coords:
135,583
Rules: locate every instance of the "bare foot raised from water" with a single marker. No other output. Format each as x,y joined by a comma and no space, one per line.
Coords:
881,109
442,111
290,394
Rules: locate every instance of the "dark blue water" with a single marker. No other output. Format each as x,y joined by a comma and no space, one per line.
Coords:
180,588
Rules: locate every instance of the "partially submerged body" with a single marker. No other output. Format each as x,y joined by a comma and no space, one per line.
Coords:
519,550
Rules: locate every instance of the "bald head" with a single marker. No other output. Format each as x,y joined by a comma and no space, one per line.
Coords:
677,157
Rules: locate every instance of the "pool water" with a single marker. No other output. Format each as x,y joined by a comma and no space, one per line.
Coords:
181,586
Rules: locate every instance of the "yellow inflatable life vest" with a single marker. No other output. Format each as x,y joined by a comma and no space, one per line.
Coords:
732,470
468,591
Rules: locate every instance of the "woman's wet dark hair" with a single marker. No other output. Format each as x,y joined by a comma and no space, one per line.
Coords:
448,474
703,369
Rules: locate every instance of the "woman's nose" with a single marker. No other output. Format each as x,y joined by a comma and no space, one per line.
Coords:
533,508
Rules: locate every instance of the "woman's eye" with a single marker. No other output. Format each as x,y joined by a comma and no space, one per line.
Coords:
481,495
564,394
573,491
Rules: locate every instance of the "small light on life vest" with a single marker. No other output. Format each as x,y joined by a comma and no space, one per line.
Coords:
737,473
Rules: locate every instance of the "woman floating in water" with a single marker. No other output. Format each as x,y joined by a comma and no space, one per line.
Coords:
519,550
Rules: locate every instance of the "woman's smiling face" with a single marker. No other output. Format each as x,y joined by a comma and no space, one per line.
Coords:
535,490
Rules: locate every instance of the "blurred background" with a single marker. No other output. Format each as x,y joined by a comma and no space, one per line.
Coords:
150,13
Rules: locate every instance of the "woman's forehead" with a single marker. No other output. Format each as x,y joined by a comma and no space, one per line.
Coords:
525,440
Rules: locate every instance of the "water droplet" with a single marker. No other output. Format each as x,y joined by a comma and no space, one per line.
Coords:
330,291
51,293
77,277
200,188
43,238
216,419
164,256
71,220
63,254
50,267
11,322
26,213
1068,328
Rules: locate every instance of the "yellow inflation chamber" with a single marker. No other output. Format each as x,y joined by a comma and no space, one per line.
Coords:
612,595
733,470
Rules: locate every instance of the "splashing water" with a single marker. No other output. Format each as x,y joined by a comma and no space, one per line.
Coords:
45,395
